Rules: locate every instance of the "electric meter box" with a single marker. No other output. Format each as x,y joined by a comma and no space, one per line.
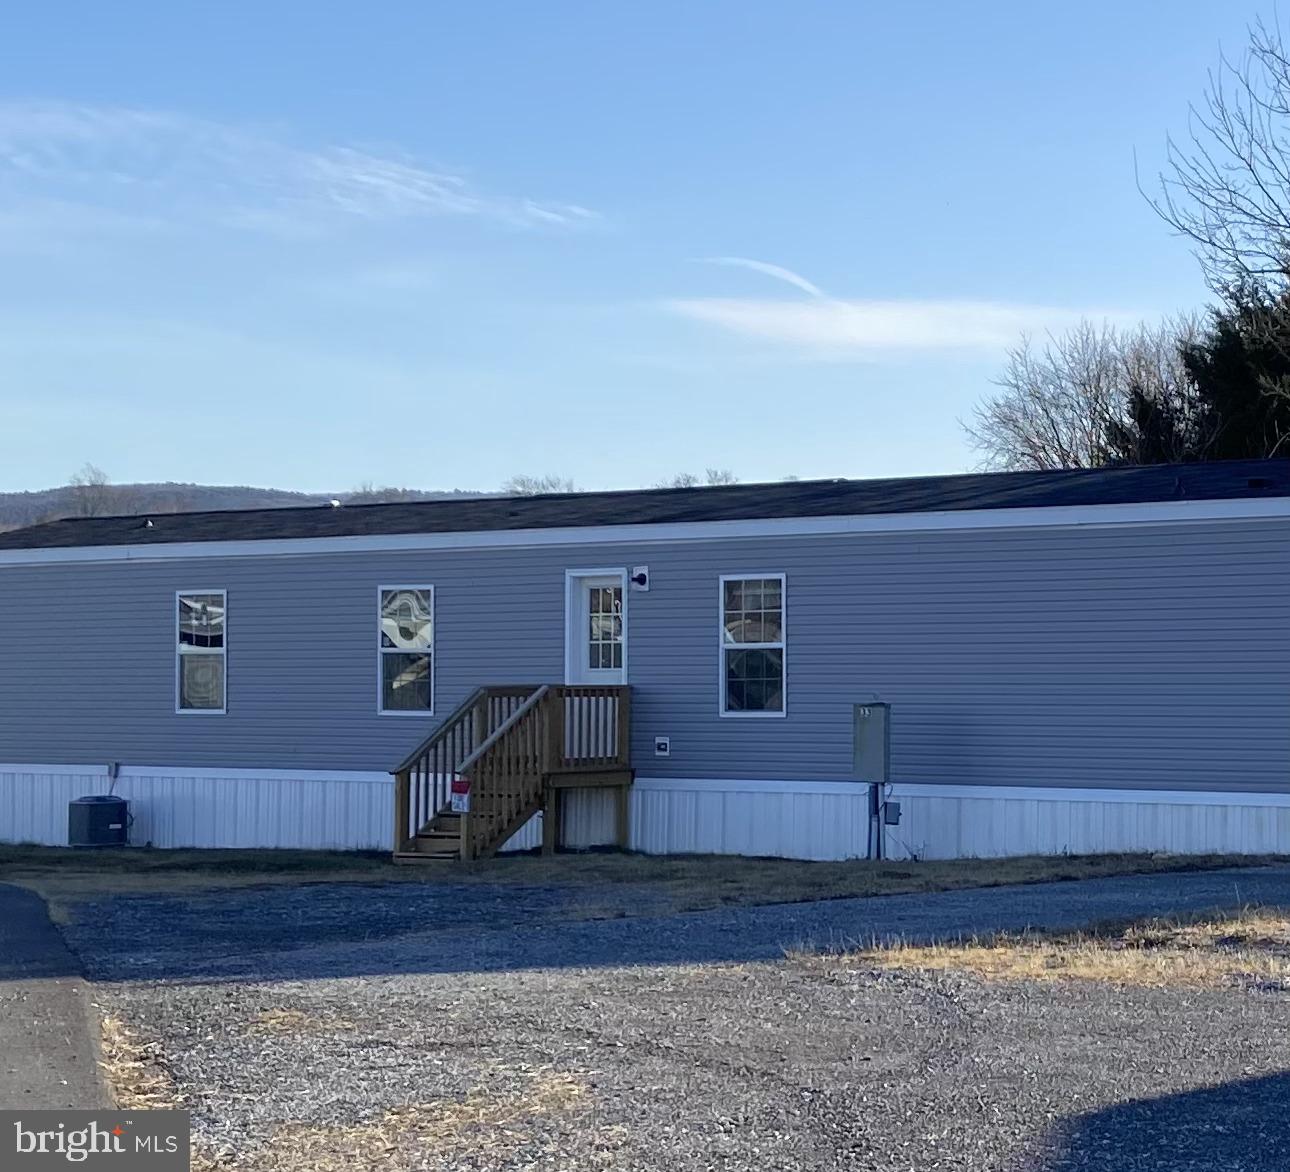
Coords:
873,743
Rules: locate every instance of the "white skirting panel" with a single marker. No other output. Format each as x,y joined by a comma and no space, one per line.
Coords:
207,808
33,799
829,820
792,820
957,821
588,817
786,819
783,819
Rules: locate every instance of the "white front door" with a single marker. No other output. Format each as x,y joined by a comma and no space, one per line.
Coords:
596,637
595,653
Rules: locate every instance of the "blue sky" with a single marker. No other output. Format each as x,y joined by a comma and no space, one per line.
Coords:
312,245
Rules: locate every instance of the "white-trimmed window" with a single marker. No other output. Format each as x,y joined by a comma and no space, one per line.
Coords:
201,646
406,649
752,645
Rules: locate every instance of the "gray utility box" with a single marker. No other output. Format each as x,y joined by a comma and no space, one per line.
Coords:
873,743
98,820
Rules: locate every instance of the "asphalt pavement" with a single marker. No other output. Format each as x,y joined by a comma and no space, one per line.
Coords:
48,1048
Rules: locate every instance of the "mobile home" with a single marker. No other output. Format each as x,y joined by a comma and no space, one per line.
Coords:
1073,661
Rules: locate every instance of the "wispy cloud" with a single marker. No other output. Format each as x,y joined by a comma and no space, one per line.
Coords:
253,177
769,270
832,327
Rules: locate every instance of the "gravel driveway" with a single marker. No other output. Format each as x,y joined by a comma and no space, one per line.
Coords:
508,1037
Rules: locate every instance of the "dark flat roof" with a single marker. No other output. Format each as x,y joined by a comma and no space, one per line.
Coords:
1229,480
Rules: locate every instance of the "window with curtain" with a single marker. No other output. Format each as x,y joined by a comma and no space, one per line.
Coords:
201,650
752,646
406,639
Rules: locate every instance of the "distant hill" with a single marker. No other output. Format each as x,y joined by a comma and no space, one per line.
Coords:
47,504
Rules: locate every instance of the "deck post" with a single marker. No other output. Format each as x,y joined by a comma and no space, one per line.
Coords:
550,820
553,716
479,722
624,729
467,849
402,807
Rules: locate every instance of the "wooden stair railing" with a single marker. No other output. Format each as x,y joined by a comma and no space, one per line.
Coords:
423,779
515,746
506,775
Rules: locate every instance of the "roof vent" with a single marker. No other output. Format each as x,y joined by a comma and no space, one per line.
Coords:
335,504
148,524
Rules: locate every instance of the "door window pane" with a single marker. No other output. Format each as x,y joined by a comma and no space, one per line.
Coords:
604,627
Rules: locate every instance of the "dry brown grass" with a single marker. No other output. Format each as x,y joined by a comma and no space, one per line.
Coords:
1207,950
485,1125
601,881
138,1079
133,1070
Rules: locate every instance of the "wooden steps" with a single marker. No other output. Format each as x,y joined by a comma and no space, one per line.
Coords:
519,748
440,838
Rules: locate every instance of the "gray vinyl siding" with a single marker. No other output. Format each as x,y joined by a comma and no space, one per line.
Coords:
1154,657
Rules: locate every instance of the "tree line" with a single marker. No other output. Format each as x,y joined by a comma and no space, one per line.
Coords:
1212,385
528,485
90,493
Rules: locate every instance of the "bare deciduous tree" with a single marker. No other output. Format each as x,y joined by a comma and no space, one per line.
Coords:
91,494
368,493
1227,190
535,485
1227,186
1093,396
710,477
